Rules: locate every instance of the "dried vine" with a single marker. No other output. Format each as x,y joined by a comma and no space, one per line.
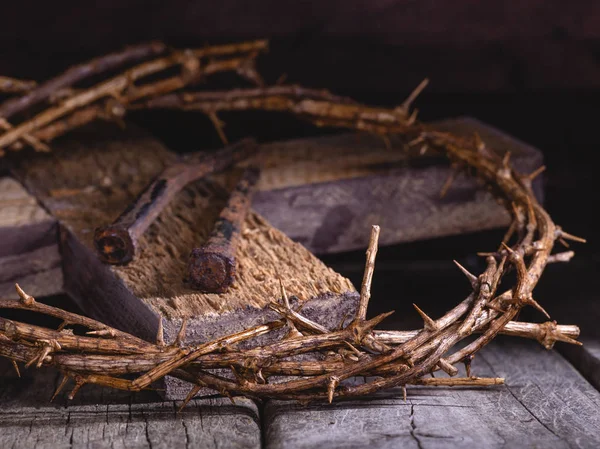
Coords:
106,356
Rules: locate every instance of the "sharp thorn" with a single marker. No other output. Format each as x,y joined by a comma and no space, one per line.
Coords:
16,367
532,302
373,322
76,388
429,323
26,299
447,184
506,159
193,392
160,340
474,280
218,124
414,94
181,334
404,392
567,236
534,174
333,383
103,333
61,385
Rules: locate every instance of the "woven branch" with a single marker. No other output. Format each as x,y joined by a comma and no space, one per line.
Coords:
386,358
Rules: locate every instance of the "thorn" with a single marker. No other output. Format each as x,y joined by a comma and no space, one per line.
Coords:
160,340
284,296
373,322
534,174
218,124
564,242
193,392
448,183
61,326
78,384
103,333
416,141
506,160
404,392
16,367
413,117
61,385
574,238
467,361
479,143
181,334
25,298
414,94
532,302
486,254
432,375
489,305
423,150
429,323
45,351
474,280
508,248
333,383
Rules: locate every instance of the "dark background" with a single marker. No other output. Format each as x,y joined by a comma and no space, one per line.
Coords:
530,68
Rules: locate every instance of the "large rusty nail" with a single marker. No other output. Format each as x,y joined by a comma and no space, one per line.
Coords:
116,243
212,267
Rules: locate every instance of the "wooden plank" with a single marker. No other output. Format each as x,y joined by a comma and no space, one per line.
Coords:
102,418
89,180
545,403
28,243
324,192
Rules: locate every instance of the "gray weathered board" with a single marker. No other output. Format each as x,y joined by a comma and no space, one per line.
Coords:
28,243
325,192
101,418
545,403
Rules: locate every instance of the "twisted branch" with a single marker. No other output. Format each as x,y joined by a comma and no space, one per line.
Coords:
386,358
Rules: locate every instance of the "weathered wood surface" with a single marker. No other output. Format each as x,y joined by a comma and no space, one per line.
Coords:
545,403
88,181
100,418
325,192
28,243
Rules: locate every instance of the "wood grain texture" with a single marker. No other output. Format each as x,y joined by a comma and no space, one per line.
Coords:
102,418
545,403
28,243
108,170
324,192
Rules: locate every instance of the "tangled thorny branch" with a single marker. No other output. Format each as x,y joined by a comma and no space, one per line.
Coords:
107,356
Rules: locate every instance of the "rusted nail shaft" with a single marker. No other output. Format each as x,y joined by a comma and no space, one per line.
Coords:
211,268
116,243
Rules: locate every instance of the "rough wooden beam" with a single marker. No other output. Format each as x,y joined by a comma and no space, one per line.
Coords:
28,243
324,192
544,403
88,181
